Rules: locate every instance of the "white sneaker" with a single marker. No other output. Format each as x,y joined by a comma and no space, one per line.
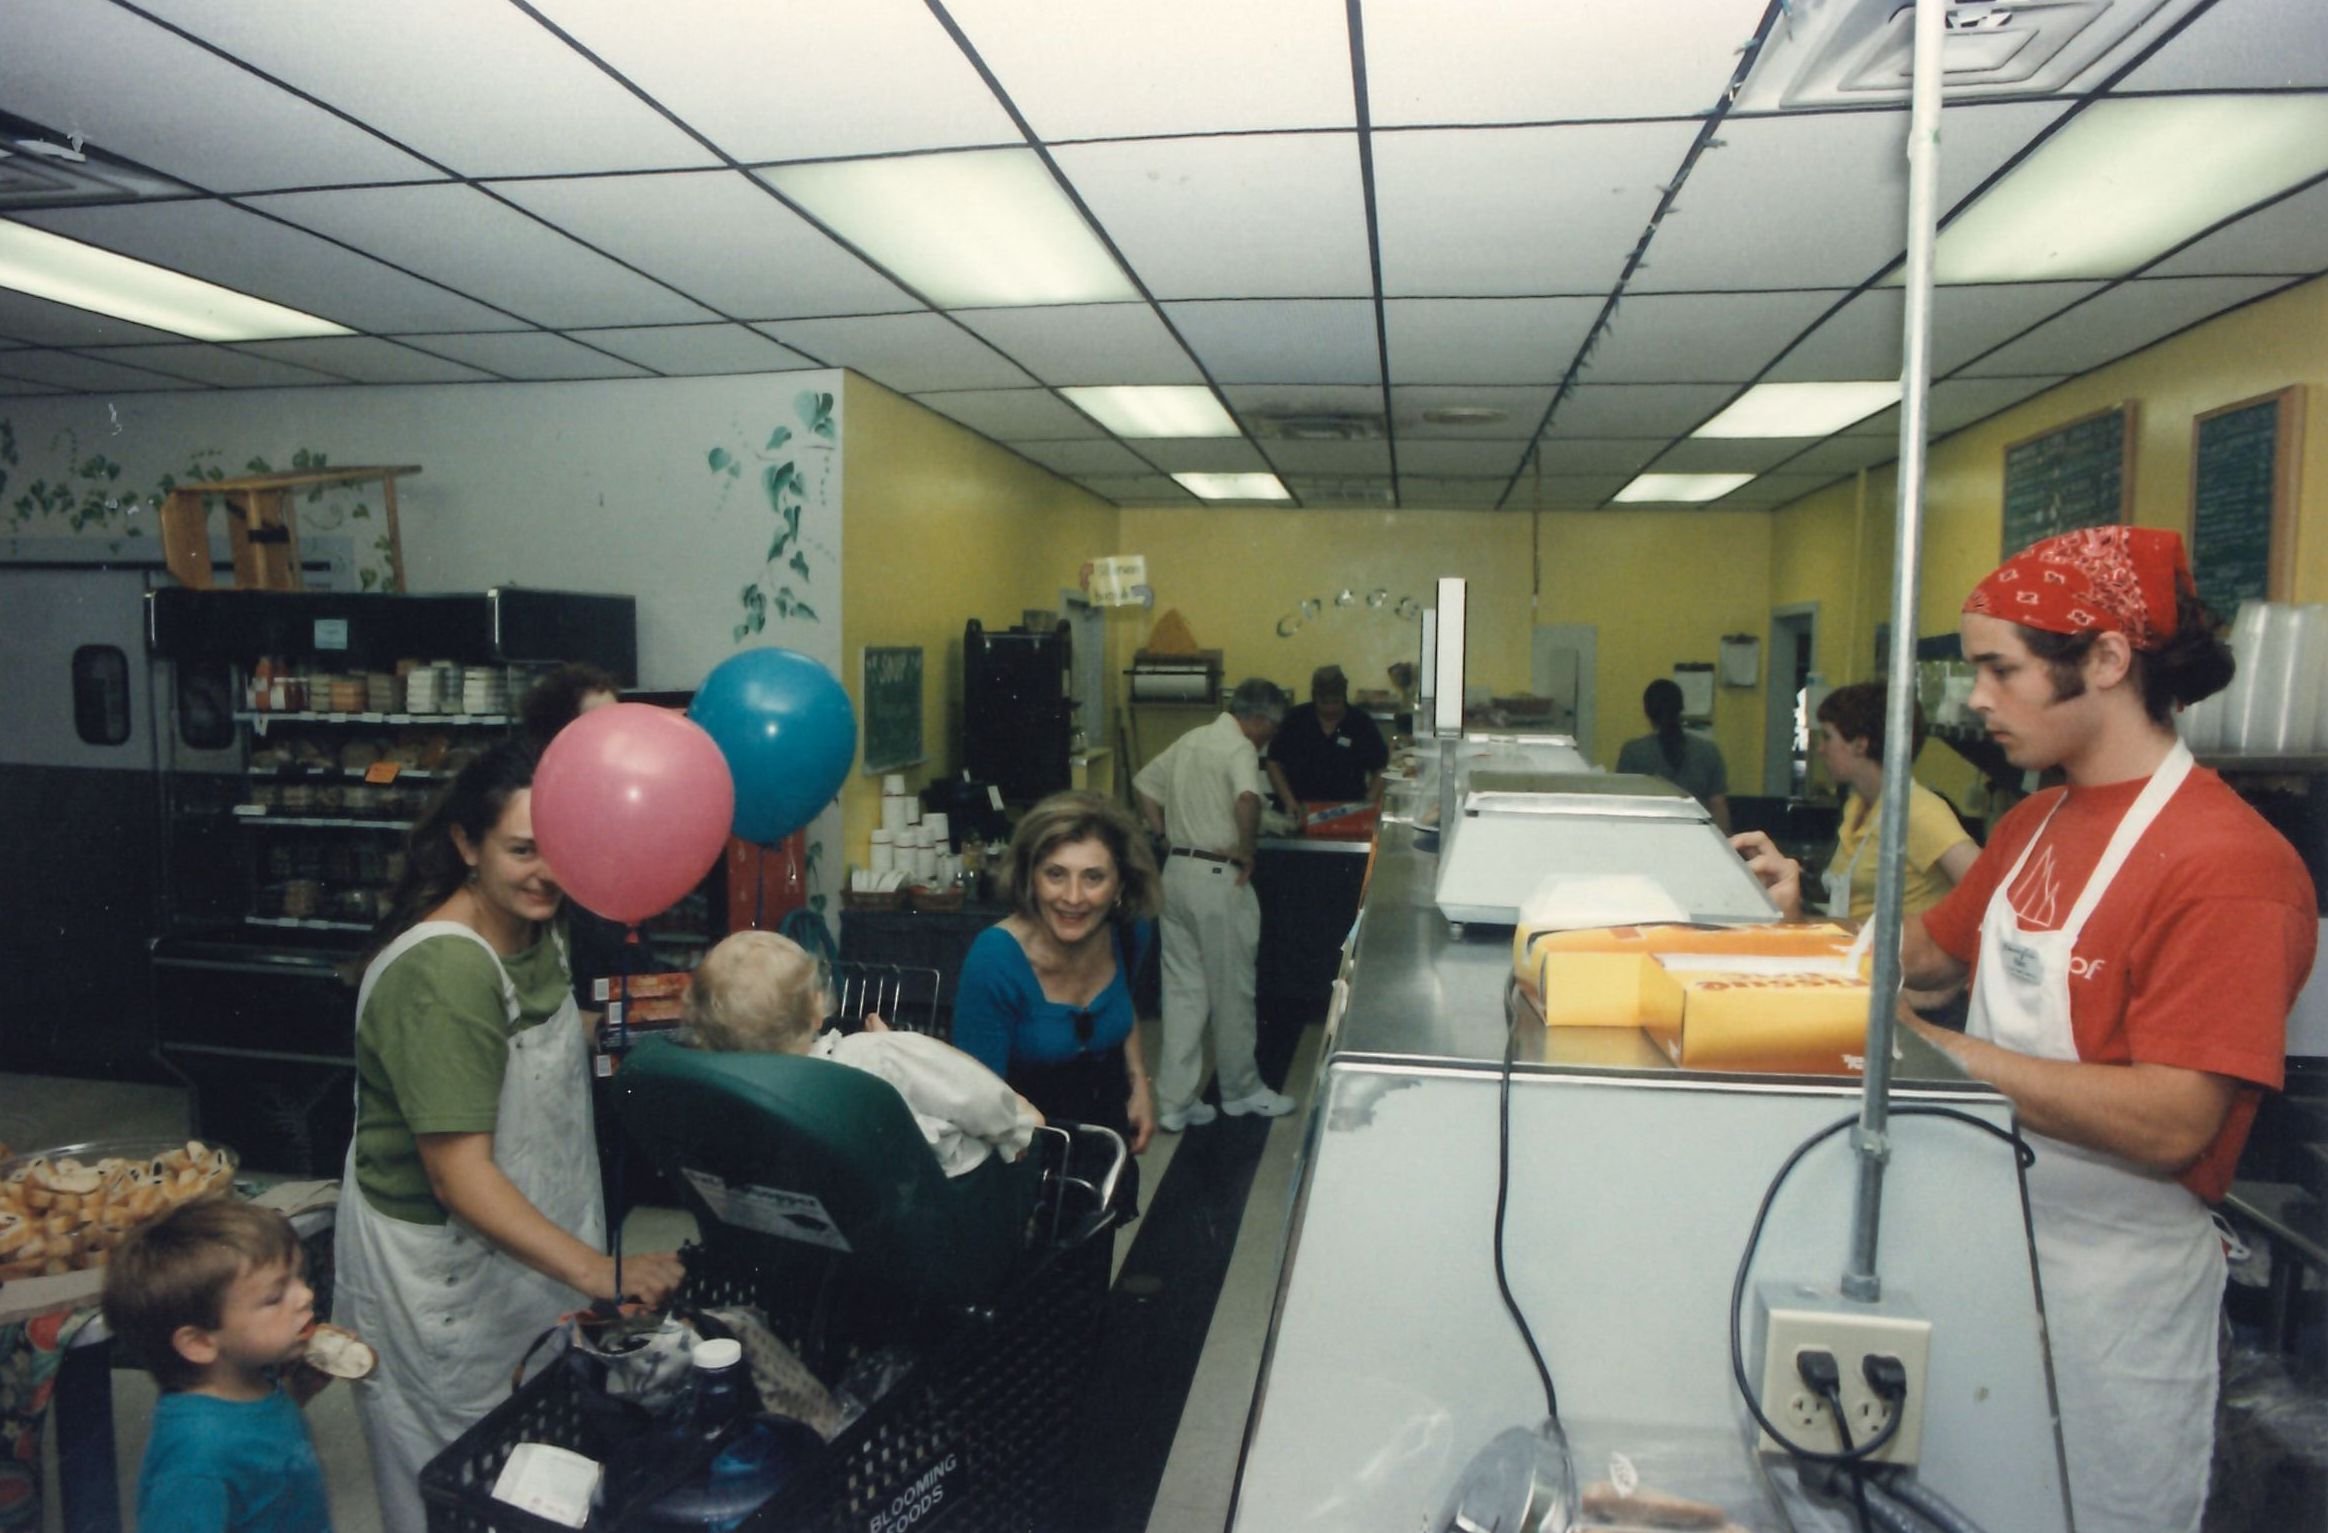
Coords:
1265,1103
1195,1114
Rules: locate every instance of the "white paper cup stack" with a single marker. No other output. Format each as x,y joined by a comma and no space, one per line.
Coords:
934,825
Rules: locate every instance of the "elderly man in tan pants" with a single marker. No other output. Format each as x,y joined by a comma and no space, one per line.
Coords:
1204,795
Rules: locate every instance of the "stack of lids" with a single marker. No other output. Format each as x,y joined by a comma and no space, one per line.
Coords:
382,694
484,690
421,691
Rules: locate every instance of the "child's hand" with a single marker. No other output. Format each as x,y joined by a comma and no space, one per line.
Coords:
874,1024
303,1381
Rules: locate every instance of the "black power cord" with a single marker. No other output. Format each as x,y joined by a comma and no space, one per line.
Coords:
1746,1391
1503,1187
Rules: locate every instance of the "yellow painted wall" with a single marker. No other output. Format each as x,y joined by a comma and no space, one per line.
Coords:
943,526
1661,587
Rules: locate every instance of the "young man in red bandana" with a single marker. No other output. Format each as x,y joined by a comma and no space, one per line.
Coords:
2134,942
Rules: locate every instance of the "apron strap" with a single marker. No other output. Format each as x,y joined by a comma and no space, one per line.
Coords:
2137,820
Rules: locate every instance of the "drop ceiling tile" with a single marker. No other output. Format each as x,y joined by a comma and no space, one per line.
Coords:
139,91
1203,455
1485,340
85,375
484,89
1331,459
1076,459
1637,409
2127,318
366,359
2258,43
221,243
697,350
1525,61
1262,340
1702,337
1861,341
1014,415
219,365
34,321
1137,489
795,81
1623,456
1818,199
1452,224
1423,492
1844,455
1521,410
1955,404
1332,492
1269,216
911,353
1255,400
1196,66
465,239
1460,460
1093,343
1727,455
1565,492
17,388
528,355
2290,236
721,237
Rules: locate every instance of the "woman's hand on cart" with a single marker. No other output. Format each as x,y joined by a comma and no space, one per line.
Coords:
650,1277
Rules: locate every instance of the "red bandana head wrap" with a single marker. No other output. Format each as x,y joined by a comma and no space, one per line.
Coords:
2093,580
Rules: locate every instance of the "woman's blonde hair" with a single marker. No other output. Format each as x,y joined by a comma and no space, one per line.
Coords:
1065,818
756,992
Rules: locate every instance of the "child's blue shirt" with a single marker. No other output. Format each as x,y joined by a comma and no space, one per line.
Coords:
230,1466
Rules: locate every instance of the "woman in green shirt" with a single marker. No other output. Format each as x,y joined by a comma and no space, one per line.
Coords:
472,1218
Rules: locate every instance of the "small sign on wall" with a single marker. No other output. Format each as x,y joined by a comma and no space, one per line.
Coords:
893,707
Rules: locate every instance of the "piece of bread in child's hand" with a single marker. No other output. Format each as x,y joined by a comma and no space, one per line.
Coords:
340,1353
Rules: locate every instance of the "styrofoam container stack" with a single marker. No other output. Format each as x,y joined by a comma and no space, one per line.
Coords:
934,823
2238,699
884,858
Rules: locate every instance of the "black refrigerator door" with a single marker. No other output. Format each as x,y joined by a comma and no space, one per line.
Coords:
1017,722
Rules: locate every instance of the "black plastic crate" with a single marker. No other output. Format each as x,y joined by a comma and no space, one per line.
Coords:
968,1441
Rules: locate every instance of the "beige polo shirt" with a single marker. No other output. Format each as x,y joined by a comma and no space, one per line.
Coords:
1198,780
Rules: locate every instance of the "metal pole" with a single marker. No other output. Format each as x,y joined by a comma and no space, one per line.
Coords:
1870,1142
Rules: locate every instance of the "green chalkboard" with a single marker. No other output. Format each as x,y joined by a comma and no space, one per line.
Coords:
893,708
2072,476
2235,502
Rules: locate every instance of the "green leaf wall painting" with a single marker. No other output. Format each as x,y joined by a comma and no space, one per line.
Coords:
790,572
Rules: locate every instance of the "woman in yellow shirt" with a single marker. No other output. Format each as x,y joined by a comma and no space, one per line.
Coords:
1938,852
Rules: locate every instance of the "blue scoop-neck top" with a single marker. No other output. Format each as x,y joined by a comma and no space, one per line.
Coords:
1002,1018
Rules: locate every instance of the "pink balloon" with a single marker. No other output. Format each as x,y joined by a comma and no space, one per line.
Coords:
631,805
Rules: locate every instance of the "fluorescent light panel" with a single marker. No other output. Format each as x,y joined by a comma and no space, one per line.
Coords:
1800,409
2127,181
983,228
1234,486
68,272
1689,488
1154,410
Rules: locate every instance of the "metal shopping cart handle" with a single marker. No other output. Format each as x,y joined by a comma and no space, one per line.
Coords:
1103,1190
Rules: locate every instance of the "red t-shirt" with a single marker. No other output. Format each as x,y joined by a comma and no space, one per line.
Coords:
2193,957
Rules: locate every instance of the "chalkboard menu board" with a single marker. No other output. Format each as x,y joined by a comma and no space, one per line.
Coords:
2242,494
893,707
2073,476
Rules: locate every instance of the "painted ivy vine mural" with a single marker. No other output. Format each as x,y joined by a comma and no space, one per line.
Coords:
784,482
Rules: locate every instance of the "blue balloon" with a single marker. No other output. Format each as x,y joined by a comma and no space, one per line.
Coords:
789,735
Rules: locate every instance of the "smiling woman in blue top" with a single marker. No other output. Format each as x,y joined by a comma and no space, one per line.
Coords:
1045,997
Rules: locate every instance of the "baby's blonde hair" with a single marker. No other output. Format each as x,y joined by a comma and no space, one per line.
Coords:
757,992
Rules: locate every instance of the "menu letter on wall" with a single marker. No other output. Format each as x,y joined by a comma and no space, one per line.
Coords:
2076,475
2243,499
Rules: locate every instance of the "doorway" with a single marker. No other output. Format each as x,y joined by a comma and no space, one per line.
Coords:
1794,634
1561,666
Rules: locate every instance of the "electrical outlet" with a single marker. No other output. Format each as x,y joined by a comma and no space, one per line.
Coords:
1792,1318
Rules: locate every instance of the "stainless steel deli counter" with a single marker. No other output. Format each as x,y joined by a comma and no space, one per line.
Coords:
1391,1361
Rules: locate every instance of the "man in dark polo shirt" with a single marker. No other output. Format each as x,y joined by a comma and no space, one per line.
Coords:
1326,752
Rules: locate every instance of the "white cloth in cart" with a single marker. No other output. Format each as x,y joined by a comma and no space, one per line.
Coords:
962,1108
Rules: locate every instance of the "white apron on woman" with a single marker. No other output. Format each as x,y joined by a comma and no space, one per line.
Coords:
2129,1262
449,1313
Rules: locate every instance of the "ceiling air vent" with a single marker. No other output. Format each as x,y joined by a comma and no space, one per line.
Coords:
1316,425
42,168
1343,492
1831,53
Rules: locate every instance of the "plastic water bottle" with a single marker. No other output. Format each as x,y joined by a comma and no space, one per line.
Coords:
723,1387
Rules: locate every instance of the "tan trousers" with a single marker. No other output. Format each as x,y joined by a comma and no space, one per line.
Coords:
1212,930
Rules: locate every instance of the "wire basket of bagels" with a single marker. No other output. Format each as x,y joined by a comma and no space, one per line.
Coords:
64,1210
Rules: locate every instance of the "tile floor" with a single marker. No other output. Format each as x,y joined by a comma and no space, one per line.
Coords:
1192,1498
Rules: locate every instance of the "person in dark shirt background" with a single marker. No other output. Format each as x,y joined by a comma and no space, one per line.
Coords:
1326,752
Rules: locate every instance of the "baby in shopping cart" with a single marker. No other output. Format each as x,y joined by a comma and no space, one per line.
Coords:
757,991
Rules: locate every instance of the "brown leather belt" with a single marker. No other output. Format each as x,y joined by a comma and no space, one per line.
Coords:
1190,851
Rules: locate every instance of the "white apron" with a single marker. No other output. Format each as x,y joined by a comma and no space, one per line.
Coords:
2131,1266
449,1313
1839,884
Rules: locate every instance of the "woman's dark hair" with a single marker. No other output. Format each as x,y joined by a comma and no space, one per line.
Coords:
556,701
1856,711
1661,700
1066,818
433,866
2192,665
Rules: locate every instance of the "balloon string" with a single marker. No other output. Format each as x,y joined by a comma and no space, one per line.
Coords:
620,1042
